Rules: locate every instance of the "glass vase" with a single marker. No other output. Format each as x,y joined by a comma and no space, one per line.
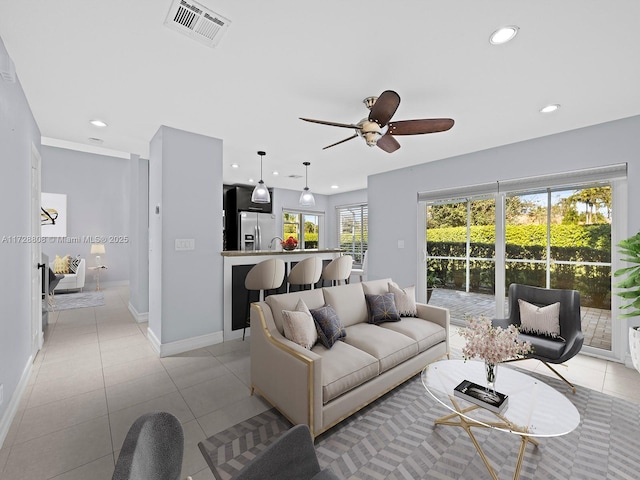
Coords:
491,372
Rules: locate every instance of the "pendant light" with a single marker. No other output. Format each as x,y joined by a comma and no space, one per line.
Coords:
261,192
306,197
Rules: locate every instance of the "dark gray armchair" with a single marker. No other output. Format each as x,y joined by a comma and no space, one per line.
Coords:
546,349
290,457
152,449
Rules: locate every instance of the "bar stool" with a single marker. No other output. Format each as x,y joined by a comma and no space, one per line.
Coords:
305,272
361,272
338,270
266,275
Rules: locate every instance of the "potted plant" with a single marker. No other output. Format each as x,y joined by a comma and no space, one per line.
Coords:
630,249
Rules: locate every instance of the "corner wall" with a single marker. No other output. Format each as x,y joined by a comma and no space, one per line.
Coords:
18,131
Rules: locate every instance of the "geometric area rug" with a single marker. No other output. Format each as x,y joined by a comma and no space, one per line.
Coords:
395,438
65,301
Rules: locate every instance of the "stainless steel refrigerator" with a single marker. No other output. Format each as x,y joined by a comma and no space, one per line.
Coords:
256,230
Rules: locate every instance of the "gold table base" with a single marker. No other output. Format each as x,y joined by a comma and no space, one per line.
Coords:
467,424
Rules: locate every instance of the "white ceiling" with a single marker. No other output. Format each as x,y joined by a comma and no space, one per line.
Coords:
283,59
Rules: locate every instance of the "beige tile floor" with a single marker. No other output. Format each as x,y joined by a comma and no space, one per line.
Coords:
97,373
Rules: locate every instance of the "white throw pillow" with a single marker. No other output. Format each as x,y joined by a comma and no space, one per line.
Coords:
405,299
540,320
299,326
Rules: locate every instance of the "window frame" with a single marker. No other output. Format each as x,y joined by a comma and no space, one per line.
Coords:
361,246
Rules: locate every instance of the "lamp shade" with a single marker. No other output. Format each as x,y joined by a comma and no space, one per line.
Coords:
97,249
261,192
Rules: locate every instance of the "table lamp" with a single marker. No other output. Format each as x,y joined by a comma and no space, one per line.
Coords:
97,249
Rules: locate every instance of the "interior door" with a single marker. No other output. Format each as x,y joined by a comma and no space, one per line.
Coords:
37,336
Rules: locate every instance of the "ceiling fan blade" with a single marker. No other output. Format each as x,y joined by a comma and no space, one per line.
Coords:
333,124
417,127
388,143
384,108
341,141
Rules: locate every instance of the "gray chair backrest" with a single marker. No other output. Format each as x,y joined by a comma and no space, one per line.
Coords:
152,449
569,305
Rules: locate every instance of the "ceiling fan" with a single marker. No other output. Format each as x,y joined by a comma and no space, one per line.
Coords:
377,129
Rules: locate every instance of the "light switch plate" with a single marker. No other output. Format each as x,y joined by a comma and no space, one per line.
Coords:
400,243
185,244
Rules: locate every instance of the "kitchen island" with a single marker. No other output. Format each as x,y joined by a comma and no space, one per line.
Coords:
237,264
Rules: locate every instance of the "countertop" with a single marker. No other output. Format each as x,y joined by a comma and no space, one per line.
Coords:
252,253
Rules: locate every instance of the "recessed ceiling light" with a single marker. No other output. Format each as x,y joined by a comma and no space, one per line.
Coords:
334,186
251,180
275,172
234,165
503,35
97,123
550,108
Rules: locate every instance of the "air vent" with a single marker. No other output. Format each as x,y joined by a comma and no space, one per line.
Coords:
192,19
295,176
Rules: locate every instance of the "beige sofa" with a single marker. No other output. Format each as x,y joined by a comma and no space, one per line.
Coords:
321,387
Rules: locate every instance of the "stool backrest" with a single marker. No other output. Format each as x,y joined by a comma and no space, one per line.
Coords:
306,272
338,269
266,275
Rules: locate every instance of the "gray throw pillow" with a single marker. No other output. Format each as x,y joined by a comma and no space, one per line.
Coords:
382,308
329,326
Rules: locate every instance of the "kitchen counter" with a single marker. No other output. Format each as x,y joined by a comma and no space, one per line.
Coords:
250,253
237,264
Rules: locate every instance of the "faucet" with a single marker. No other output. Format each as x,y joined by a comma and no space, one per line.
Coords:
271,242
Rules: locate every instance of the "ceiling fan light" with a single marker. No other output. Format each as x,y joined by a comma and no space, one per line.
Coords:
260,193
306,198
503,35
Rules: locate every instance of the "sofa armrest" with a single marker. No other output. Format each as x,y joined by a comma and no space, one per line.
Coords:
81,272
438,315
287,375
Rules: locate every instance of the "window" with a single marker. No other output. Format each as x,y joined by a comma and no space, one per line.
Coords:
352,230
554,231
293,223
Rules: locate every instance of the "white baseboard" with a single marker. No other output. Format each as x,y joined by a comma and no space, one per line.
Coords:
181,346
14,403
139,317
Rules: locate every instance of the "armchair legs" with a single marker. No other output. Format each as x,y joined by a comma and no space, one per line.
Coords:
571,385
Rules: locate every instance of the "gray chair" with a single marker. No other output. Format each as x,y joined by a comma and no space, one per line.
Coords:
152,449
290,457
339,270
305,272
549,350
266,275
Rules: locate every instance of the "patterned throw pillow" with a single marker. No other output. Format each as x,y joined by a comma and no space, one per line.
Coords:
74,264
540,320
61,264
328,324
405,299
299,326
382,308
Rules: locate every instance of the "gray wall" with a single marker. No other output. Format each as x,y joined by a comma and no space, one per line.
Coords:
98,204
18,131
185,183
139,238
393,195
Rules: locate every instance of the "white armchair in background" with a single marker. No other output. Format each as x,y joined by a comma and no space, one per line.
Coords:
73,281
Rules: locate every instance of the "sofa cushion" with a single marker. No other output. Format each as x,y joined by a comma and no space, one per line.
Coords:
348,302
299,326
344,367
288,301
376,287
328,324
389,347
405,299
382,308
426,333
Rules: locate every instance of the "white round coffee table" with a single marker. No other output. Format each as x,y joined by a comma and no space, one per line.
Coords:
534,408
